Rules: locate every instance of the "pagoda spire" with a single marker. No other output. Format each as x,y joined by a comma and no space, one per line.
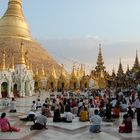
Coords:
113,73
21,57
53,73
120,70
84,71
100,64
63,74
13,23
81,70
128,70
3,66
73,74
136,66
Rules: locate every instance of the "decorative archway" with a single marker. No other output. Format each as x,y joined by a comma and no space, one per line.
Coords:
4,89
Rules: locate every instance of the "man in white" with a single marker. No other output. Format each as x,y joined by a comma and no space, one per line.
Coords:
95,122
40,122
68,116
13,105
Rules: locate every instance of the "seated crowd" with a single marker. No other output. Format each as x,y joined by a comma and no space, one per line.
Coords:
99,108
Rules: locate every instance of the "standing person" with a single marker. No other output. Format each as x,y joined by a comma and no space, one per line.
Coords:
5,124
13,105
137,106
95,122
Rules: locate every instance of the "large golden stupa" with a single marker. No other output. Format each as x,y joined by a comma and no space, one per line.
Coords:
14,30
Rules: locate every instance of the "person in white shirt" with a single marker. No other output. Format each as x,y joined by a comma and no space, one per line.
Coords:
40,122
38,104
95,123
136,104
68,116
30,117
13,105
33,106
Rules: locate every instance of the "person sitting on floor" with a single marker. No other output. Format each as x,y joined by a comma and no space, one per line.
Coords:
95,122
46,110
116,111
56,116
108,116
13,105
5,124
30,117
40,122
83,116
68,116
130,112
38,104
126,126
33,106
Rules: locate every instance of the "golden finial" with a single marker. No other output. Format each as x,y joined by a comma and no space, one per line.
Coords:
21,57
3,67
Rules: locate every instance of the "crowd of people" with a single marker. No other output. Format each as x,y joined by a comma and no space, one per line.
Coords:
95,107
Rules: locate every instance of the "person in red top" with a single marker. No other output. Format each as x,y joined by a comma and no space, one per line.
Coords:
5,124
126,126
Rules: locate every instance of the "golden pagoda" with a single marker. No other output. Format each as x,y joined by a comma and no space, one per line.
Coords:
62,81
73,79
14,30
98,75
52,79
100,64
13,23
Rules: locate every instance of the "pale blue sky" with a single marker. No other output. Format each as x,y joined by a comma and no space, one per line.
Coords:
113,19
80,24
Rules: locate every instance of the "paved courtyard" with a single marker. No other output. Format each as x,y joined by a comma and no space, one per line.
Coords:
61,131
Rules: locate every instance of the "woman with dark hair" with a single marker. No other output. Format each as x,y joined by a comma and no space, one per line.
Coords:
5,124
126,126
56,116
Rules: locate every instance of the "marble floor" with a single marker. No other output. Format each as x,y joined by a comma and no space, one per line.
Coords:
61,131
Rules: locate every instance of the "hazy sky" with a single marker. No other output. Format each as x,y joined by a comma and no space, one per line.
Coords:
71,29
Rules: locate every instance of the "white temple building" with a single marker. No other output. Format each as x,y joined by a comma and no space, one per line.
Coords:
16,81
